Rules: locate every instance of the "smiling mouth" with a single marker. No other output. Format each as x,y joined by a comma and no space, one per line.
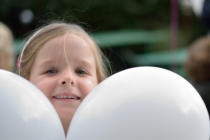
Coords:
66,97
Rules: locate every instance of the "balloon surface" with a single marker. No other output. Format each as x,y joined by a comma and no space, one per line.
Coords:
143,103
25,112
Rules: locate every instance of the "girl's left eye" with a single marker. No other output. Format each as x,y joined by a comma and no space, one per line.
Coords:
51,71
80,71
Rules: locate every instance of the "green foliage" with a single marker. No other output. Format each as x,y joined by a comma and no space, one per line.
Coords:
98,14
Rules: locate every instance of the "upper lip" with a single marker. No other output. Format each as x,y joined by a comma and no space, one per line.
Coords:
66,95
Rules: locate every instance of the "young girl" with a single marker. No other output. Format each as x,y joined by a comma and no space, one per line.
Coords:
65,64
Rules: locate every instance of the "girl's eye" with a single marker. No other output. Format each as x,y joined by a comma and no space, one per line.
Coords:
51,71
80,71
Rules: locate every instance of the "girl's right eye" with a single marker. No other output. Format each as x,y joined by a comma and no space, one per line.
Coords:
51,71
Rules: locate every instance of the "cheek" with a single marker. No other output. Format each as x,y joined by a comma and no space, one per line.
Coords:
45,86
87,87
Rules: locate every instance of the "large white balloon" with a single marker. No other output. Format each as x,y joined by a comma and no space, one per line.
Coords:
143,103
25,112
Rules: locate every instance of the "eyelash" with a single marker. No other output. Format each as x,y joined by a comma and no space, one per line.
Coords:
51,71
81,71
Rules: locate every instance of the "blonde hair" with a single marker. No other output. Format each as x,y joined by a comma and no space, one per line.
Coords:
6,50
41,36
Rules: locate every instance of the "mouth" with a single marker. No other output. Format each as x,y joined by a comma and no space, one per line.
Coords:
66,98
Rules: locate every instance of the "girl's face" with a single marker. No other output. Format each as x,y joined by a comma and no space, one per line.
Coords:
65,71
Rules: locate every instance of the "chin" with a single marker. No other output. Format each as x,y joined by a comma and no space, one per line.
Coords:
66,114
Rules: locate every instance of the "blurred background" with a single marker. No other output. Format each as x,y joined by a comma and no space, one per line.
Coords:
130,32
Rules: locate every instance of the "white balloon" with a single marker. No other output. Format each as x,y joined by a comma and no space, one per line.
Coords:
143,103
25,112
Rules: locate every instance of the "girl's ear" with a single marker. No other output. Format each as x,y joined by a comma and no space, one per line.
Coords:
18,63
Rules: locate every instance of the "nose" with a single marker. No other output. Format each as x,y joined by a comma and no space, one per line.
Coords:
67,78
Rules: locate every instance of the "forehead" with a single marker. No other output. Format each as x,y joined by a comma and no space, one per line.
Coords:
68,44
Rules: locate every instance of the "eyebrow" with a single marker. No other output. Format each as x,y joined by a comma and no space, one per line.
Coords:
47,62
84,62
